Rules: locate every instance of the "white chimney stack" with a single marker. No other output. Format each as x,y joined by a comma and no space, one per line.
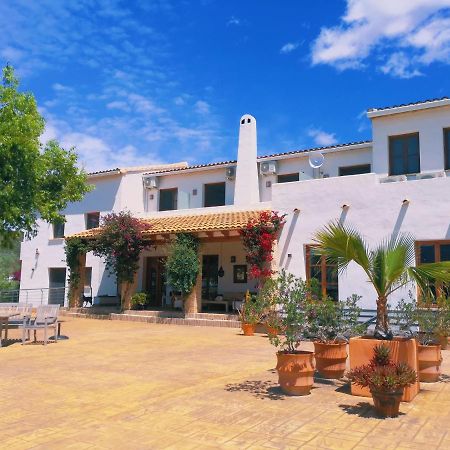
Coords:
246,190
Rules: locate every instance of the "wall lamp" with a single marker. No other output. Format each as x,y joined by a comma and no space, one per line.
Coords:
345,206
296,210
405,201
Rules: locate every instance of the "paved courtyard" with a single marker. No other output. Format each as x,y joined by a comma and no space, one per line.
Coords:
124,385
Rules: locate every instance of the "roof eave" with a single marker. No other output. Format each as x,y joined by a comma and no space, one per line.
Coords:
374,113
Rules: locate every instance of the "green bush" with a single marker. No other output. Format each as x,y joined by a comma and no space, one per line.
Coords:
139,300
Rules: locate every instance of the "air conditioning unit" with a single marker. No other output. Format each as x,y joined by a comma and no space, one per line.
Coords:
268,168
150,182
231,173
393,179
428,175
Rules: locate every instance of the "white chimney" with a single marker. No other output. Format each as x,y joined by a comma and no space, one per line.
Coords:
246,190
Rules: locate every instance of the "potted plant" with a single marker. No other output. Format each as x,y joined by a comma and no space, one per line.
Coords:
331,325
268,296
389,266
385,379
295,367
250,314
419,322
139,300
442,329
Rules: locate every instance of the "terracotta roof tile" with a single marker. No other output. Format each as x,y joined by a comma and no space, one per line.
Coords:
223,221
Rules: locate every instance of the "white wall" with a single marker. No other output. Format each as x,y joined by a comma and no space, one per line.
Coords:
429,123
375,209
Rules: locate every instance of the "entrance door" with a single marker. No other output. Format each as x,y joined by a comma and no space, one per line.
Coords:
155,280
210,278
56,283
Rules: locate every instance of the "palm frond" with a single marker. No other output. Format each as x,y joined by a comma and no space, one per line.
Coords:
425,275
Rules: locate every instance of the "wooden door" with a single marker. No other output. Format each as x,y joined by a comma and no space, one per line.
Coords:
155,280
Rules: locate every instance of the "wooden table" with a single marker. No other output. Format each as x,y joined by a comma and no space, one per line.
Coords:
4,318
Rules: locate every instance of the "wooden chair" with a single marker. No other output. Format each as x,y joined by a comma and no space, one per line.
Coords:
46,317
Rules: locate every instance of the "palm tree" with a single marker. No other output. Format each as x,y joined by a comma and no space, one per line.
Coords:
389,266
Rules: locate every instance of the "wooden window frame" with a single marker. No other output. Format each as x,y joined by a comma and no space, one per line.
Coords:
405,152
355,166
211,184
323,270
287,175
446,148
86,219
436,243
176,199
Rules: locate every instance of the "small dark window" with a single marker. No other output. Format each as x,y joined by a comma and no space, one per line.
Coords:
214,194
447,148
242,121
286,178
168,199
354,170
249,120
404,154
92,220
58,230
240,274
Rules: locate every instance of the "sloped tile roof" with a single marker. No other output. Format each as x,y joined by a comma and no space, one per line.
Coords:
421,102
223,221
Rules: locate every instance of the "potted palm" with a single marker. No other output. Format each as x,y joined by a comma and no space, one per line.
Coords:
295,367
250,314
385,379
389,266
331,325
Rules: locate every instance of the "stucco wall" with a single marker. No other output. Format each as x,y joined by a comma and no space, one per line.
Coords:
375,209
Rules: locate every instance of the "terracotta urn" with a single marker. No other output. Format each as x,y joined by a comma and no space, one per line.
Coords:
430,359
295,372
331,359
248,329
387,404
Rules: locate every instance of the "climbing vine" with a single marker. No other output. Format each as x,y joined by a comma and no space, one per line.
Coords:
258,238
74,248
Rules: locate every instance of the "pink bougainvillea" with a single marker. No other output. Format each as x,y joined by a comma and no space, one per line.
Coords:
258,238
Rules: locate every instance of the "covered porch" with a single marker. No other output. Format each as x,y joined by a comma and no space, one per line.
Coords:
223,278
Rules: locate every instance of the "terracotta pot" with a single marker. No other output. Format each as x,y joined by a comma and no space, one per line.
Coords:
271,331
295,372
430,359
443,340
402,350
248,329
330,359
387,404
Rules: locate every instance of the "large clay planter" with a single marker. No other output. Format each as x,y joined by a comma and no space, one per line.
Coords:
429,363
402,350
387,404
295,372
330,359
443,340
248,329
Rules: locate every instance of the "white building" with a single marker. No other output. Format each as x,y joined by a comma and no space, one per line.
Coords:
398,182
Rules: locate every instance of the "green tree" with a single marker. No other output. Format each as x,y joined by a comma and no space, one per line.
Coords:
36,181
9,263
389,266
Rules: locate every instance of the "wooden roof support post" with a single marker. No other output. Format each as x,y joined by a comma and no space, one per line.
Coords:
76,292
127,290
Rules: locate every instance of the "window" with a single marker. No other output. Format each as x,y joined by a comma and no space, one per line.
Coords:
240,273
325,273
447,148
58,230
92,220
404,154
354,170
168,199
288,177
56,284
434,251
214,194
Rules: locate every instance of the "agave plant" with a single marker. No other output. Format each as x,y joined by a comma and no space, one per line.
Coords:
389,266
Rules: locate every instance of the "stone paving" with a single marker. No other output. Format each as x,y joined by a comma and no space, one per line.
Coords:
124,385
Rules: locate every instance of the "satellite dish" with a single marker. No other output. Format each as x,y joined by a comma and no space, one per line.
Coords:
316,160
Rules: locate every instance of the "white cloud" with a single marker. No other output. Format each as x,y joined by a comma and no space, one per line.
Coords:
289,47
117,104
233,21
322,138
419,27
179,101
202,107
400,65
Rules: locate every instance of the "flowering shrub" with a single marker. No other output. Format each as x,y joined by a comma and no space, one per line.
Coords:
120,243
258,238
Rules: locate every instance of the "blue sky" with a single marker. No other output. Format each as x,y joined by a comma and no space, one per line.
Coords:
149,81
